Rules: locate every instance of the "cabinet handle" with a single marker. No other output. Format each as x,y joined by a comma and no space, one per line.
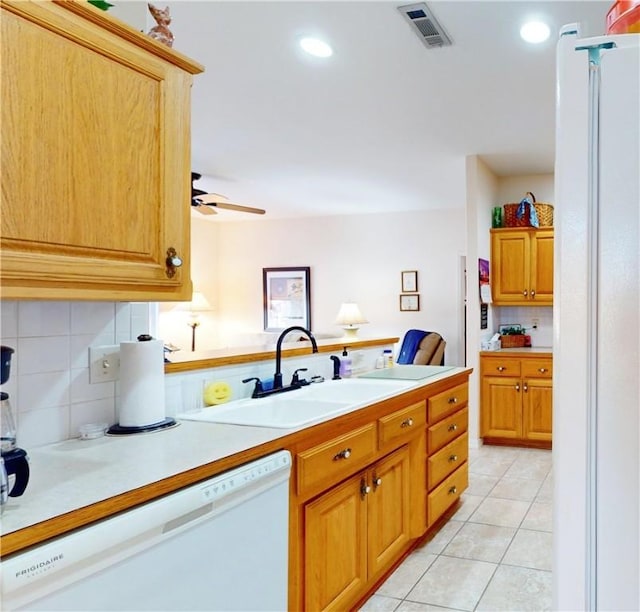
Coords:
407,423
525,293
453,400
518,387
377,481
542,370
533,293
525,387
453,490
452,427
453,458
365,489
172,262
501,368
343,454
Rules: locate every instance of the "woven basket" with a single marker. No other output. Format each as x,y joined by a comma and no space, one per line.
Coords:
510,218
543,210
512,340
545,214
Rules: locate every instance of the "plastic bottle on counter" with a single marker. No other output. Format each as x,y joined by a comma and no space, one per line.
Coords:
380,362
388,358
345,364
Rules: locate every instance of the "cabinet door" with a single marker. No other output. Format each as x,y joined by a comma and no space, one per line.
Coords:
336,546
95,161
509,266
537,409
542,268
388,505
501,407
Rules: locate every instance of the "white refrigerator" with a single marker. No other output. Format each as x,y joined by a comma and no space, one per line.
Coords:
596,427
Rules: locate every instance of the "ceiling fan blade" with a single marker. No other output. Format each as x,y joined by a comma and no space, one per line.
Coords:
204,209
211,198
238,207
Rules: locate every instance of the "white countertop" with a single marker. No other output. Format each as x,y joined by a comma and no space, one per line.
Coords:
522,349
76,473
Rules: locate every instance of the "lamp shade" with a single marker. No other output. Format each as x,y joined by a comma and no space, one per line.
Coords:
350,317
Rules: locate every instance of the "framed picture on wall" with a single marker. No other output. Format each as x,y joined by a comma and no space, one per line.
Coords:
286,294
410,301
409,281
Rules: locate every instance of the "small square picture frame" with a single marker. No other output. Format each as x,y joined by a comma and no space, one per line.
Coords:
409,281
409,302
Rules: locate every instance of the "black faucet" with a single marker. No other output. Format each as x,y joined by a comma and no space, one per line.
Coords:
336,367
277,377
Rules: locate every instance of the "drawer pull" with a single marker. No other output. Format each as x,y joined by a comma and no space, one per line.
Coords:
452,427
377,481
343,454
518,387
365,489
542,370
501,368
525,387
453,490
453,458
524,292
533,293
453,400
407,422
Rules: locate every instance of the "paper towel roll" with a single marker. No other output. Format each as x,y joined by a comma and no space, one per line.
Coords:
141,383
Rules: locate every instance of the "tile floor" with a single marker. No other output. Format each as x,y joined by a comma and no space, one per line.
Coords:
494,553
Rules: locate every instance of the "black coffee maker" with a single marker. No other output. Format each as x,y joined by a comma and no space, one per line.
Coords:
14,459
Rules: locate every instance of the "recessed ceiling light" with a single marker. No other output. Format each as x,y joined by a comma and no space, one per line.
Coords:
316,47
535,32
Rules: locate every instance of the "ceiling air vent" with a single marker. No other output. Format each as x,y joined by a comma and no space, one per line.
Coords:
426,26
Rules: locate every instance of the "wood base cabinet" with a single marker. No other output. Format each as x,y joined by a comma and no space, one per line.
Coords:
516,399
522,267
355,531
96,140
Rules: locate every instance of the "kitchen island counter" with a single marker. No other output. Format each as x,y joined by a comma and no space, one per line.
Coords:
76,482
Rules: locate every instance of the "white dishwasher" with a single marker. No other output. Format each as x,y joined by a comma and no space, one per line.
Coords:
221,544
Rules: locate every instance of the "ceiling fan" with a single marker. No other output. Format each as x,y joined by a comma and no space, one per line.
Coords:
205,203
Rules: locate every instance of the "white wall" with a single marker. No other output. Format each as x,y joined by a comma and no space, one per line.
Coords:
352,258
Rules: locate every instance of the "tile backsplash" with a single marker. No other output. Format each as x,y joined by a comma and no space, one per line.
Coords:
49,385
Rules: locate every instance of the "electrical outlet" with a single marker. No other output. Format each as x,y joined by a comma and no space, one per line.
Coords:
104,363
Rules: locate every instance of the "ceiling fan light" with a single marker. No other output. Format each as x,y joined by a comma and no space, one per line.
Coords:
535,32
316,47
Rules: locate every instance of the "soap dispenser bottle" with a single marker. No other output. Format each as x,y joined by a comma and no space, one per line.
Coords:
345,364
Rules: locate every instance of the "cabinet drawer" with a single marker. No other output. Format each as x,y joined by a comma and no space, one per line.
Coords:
447,460
446,430
447,402
336,458
447,493
537,368
498,366
402,423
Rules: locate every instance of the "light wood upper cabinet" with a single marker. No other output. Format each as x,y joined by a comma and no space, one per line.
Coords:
522,267
95,157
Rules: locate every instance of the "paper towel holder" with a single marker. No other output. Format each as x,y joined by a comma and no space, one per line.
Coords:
123,430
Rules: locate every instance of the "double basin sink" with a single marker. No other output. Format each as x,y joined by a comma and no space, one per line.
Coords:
313,403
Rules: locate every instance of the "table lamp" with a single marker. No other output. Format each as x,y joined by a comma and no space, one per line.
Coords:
350,317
